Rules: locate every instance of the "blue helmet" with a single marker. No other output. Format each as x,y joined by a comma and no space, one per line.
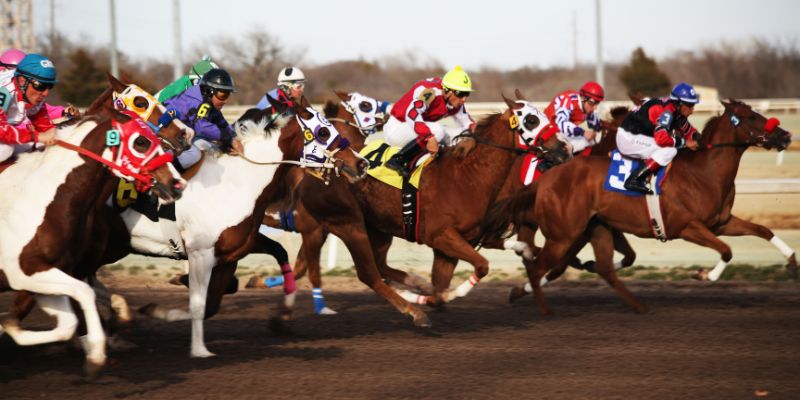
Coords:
685,93
37,66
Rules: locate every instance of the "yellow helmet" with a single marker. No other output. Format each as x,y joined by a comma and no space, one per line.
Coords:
458,80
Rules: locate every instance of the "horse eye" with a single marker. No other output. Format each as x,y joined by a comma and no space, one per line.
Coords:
365,106
323,134
531,122
140,102
142,144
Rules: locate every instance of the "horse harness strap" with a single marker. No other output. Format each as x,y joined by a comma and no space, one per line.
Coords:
100,159
410,202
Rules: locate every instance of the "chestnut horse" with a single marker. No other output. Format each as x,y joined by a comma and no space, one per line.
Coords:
47,205
367,215
696,199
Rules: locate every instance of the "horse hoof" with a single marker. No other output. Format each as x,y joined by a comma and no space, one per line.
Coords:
516,293
792,271
641,309
421,320
327,311
202,353
92,368
700,275
279,326
176,280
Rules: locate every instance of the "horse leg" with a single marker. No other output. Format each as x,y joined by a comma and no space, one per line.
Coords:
603,244
622,245
355,238
381,242
554,273
201,264
52,287
739,227
451,243
441,274
553,253
697,233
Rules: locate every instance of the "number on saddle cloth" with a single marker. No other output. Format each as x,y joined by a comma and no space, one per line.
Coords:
621,168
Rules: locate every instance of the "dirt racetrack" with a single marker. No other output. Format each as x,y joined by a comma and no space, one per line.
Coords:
731,340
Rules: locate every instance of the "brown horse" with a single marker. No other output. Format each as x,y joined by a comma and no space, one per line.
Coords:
696,200
367,215
57,191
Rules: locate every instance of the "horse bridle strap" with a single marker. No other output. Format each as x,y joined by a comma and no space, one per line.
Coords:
487,142
303,164
354,125
123,170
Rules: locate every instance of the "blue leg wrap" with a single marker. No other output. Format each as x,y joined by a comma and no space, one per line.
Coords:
272,281
319,300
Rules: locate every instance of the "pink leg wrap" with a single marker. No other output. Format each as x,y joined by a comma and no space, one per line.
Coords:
289,286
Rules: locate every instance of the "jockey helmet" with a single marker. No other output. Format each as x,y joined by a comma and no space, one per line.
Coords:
291,75
201,67
11,57
685,93
457,79
216,79
593,90
38,67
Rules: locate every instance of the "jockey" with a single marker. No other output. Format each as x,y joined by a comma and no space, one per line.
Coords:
656,131
186,81
8,62
291,86
199,108
412,125
23,119
570,108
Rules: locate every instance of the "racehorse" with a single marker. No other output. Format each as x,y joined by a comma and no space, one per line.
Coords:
47,205
366,215
696,200
109,230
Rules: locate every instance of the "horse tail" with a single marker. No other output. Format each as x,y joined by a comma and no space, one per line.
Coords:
505,217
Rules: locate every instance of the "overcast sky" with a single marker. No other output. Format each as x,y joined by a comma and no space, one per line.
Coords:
501,34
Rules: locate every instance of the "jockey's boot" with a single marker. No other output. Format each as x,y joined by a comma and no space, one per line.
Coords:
400,161
637,182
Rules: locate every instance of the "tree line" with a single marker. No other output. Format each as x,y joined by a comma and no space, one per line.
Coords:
755,69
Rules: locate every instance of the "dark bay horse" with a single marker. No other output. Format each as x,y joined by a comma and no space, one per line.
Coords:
46,205
696,200
454,196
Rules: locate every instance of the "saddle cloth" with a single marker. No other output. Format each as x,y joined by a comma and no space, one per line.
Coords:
378,152
620,169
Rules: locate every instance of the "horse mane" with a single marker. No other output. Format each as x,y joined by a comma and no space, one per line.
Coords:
331,109
247,130
619,111
486,122
98,102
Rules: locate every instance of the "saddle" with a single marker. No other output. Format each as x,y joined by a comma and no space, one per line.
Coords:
7,163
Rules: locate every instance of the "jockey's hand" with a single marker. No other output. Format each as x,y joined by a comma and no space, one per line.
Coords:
589,134
432,146
48,137
236,147
70,111
692,144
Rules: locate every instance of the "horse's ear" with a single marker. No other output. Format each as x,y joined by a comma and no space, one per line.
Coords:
342,95
726,104
115,83
510,103
519,95
301,108
279,107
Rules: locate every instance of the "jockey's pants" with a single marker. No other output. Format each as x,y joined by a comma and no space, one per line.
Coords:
398,134
643,147
579,143
8,150
193,154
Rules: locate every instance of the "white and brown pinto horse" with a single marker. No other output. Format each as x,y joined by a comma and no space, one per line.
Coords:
46,204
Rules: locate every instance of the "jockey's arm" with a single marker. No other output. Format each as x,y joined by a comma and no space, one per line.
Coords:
464,120
10,134
567,127
663,135
414,118
593,122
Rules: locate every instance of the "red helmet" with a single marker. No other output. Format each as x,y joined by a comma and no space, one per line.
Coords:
593,90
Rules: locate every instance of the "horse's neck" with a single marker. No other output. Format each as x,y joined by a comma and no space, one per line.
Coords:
718,166
348,131
488,165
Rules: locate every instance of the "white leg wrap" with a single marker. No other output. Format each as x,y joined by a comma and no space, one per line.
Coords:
715,273
618,265
464,288
519,247
782,246
288,300
412,297
528,288
543,282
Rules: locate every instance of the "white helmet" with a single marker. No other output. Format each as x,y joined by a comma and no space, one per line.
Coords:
291,74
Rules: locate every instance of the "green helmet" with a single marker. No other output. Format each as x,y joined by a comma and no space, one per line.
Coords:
201,67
